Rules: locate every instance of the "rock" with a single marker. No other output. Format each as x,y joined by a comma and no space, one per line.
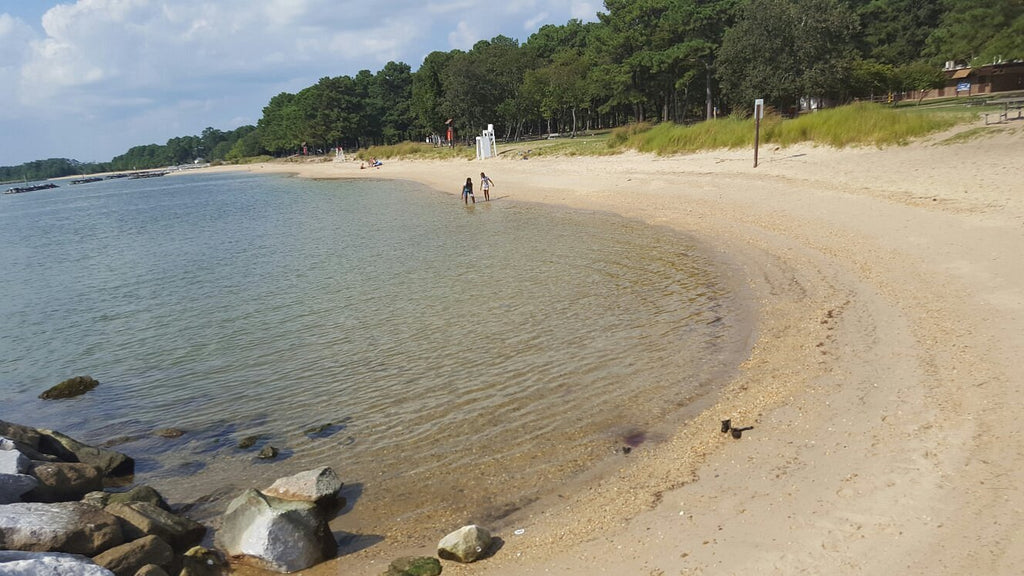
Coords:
7,444
129,558
71,527
13,486
17,563
199,561
20,434
466,544
414,566
13,462
312,486
70,388
151,570
280,535
140,493
110,462
248,442
267,453
143,519
63,481
170,433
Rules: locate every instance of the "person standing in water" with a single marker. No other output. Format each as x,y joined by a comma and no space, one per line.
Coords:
467,191
485,185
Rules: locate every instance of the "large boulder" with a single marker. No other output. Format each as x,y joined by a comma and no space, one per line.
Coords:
279,535
466,544
70,388
141,493
19,434
18,563
142,519
110,462
71,527
151,570
64,481
129,558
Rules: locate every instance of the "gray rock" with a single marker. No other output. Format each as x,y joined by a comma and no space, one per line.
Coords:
414,566
17,563
280,535
13,462
311,486
13,486
141,493
7,444
71,527
63,481
151,570
268,452
129,558
110,462
466,544
199,561
142,519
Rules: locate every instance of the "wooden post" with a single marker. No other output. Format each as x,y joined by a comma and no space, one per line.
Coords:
758,113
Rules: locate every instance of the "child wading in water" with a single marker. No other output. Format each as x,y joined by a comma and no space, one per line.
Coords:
485,185
467,191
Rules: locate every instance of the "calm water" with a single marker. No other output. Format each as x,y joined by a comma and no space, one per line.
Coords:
451,364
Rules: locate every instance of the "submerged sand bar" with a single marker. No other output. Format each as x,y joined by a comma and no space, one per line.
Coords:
883,386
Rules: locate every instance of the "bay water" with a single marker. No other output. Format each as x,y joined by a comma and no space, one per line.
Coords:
451,364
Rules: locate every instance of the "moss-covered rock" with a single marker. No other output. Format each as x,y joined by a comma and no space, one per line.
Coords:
70,388
414,566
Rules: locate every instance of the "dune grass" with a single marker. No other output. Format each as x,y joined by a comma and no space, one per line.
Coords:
861,124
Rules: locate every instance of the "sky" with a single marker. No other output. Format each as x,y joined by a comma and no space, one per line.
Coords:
89,79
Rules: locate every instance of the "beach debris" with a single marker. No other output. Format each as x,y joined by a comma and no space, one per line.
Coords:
627,449
467,544
726,424
200,561
70,388
414,566
519,531
738,432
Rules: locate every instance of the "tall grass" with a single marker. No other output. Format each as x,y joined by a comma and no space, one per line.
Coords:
861,124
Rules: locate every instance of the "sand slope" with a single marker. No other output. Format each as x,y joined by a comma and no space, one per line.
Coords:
883,386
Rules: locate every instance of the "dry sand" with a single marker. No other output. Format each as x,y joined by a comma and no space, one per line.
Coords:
882,387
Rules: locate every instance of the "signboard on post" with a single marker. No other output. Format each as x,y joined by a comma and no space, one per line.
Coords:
758,114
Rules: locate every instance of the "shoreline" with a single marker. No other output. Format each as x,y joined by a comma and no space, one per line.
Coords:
880,385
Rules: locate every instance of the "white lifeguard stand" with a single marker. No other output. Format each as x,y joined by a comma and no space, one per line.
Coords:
485,144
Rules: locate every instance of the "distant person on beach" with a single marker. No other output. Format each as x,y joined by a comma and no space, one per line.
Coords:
467,191
485,185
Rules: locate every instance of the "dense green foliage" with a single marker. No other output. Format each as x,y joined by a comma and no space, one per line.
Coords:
676,61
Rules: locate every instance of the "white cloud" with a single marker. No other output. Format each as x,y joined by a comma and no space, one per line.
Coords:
93,73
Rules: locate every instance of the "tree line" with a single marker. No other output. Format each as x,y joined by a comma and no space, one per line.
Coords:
643,60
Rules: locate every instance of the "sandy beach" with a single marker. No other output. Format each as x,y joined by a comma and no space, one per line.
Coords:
882,385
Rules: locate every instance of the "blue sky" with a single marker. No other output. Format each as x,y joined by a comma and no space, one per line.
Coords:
88,79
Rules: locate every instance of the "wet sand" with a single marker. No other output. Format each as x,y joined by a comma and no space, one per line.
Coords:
882,385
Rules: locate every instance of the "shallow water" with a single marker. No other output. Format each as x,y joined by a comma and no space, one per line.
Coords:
452,364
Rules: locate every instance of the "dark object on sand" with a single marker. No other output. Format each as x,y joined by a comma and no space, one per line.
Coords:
726,424
738,432
70,388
